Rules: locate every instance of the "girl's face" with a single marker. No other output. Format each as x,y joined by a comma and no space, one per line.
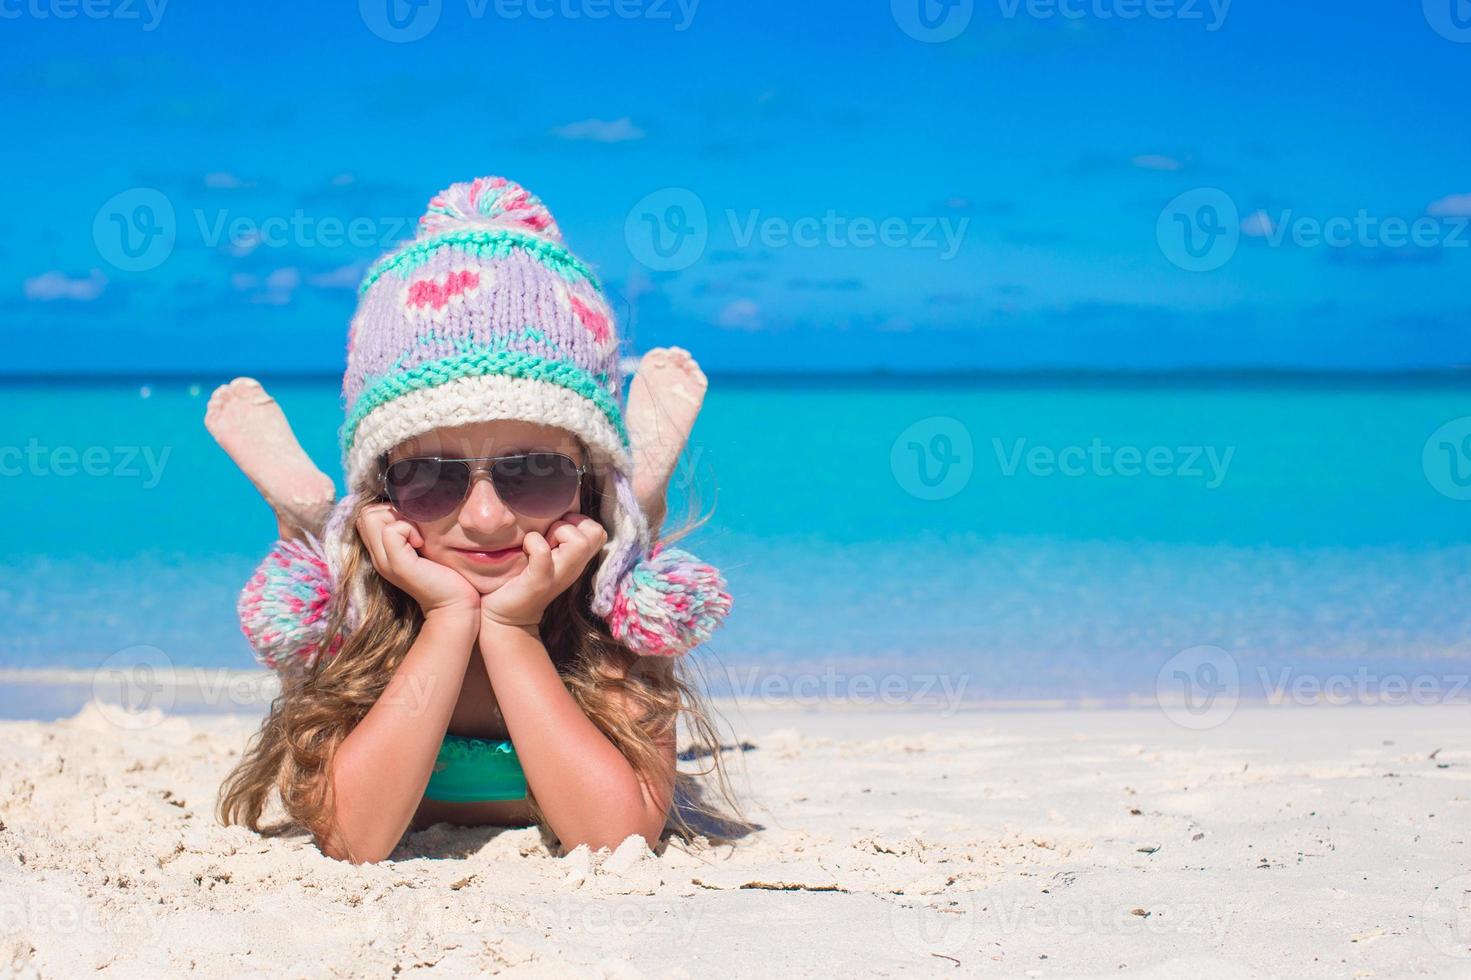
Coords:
482,538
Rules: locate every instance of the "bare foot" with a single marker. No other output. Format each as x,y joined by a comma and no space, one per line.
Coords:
663,400
250,426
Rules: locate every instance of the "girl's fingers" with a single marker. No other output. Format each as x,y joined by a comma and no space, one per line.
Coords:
573,557
539,566
370,529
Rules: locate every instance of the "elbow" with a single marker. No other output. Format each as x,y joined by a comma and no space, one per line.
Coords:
614,832
335,846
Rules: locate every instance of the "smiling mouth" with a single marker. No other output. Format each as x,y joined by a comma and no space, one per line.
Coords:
489,557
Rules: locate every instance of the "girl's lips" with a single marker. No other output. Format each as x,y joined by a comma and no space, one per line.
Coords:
490,557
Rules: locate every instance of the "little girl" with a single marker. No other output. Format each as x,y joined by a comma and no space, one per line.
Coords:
483,629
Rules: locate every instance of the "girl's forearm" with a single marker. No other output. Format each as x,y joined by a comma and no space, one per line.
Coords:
383,766
587,790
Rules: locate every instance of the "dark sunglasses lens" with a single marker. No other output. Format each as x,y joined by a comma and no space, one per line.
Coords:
426,489
536,484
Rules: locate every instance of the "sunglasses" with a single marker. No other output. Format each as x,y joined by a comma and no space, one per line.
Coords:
537,485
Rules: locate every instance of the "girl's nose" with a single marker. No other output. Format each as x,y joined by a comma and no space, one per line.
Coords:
482,510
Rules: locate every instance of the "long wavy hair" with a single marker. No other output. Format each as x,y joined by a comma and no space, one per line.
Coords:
292,753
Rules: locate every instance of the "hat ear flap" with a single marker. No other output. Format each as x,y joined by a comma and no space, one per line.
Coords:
660,602
285,608
668,603
628,539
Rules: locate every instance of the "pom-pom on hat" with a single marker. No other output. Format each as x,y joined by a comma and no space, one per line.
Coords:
487,315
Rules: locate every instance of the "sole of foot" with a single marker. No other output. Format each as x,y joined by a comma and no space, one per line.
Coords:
252,429
664,399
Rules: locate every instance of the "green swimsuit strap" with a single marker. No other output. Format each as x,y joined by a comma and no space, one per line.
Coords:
476,769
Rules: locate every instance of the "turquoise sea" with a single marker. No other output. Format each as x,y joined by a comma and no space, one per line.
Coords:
996,538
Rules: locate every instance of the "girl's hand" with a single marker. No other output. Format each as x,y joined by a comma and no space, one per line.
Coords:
391,542
553,562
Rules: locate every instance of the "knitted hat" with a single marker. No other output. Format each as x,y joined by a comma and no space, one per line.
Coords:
484,316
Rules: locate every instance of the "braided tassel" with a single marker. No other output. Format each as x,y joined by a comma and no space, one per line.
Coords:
668,603
284,607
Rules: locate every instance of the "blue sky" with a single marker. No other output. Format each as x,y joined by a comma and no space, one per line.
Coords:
1058,183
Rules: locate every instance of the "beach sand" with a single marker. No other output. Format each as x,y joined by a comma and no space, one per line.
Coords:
1288,841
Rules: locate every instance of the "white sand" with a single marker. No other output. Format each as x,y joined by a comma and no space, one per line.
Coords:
1294,842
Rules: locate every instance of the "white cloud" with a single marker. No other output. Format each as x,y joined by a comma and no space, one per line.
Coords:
1258,224
1454,206
225,181
51,286
283,279
741,314
600,131
1154,161
343,277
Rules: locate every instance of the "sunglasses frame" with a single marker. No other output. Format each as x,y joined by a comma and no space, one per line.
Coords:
384,464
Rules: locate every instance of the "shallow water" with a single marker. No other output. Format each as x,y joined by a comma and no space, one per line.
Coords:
996,539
